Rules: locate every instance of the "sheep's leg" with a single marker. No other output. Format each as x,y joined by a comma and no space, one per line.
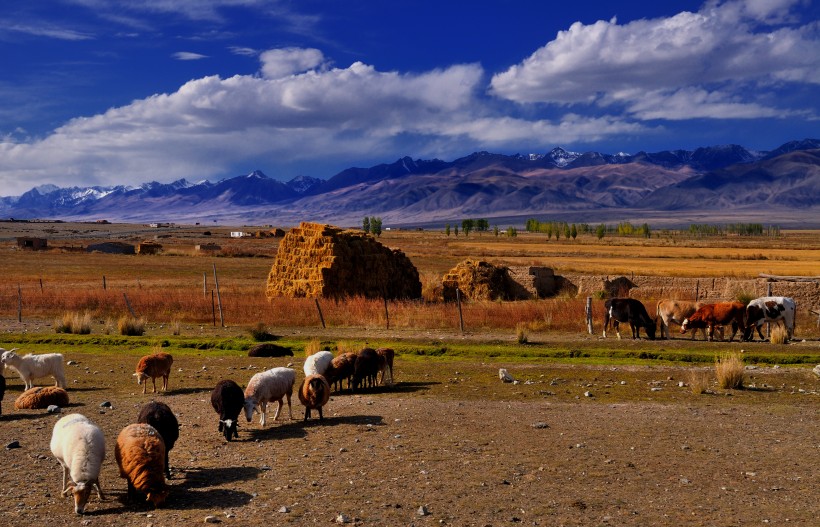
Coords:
321,417
290,410
65,475
278,409
99,490
263,409
154,381
307,413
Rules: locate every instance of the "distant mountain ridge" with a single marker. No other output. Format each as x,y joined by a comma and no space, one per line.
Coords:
482,184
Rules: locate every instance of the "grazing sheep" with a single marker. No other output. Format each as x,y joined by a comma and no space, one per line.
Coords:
41,397
314,394
367,369
228,400
317,363
267,386
2,392
385,363
341,367
32,367
153,366
140,454
79,446
267,349
160,416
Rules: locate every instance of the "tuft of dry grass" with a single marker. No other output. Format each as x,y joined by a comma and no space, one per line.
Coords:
730,371
778,334
130,326
312,347
75,323
260,333
699,381
346,346
521,334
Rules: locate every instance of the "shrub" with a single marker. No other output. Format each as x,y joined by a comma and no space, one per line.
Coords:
699,381
521,333
778,334
730,371
260,333
74,323
176,327
130,326
312,347
744,297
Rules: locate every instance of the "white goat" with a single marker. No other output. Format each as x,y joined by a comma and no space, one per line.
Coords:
31,367
317,363
79,446
267,386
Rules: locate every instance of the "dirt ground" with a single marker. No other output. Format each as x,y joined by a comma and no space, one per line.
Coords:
449,444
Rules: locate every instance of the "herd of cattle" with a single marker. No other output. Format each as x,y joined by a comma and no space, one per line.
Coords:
701,316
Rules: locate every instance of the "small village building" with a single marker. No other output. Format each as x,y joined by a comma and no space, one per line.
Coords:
34,244
207,248
149,248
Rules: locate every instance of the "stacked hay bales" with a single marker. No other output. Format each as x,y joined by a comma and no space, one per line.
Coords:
318,260
480,280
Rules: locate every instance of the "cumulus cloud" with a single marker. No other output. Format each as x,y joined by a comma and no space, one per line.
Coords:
686,56
278,63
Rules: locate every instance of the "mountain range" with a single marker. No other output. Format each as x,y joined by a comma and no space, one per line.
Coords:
710,184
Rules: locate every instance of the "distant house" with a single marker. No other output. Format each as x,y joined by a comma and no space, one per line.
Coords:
111,248
238,234
34,244
207,248
149,248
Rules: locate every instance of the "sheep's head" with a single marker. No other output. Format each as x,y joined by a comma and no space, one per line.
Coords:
250,406
228,427
141,377
7,355
157,497
81,492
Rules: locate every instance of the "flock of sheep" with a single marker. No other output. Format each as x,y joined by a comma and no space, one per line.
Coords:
141,449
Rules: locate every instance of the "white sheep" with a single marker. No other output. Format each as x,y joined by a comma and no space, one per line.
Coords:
318,363
31,367
79,446
267,386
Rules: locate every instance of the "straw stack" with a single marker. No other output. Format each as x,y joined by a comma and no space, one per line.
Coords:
479,280
318,260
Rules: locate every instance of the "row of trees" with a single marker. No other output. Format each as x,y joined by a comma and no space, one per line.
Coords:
373,225
740,229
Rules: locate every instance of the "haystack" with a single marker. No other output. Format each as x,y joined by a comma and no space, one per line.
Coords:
479,280
317,260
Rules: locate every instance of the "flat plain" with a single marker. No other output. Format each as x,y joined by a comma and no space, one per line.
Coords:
595,432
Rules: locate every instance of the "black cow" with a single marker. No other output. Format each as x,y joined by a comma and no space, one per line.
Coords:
628,310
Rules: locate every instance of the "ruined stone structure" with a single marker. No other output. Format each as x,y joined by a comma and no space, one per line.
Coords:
317,260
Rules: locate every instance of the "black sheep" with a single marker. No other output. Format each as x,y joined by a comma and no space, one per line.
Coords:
269,350
228,399
160,416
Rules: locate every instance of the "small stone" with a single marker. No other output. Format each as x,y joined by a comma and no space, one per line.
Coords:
212,519
623,383
681,384
587,394
53,409
422,511
342,518
71,363
504,375
540,425
657,389
13,444
105,404
342,450
230,515
284,510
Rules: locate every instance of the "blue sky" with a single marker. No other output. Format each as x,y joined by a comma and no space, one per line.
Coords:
99,92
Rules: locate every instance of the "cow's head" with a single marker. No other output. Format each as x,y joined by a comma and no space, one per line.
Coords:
684,327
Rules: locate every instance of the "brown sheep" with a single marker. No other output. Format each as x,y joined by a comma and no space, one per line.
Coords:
314,394
140,454
367,369
41,397
341,367
385,363
153,366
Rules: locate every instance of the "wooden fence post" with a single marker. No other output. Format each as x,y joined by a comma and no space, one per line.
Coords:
588,312
213,307
104,287
204,285
460,315
219,299
41,285
319,309
386,314
697,290
19,304
128,305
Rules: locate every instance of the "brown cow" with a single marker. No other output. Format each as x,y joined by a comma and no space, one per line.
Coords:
719,314
677,311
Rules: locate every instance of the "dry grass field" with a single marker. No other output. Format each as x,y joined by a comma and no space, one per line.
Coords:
595,432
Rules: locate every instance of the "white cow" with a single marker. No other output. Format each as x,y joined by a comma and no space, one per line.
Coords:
769,309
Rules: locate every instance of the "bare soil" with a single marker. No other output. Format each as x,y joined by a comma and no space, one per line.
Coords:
567,445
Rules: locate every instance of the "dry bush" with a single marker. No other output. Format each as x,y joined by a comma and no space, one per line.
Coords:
176,327
521,333
130,326
699,381
313,346
778,334
260,333
346,346
431,288
75,323
730,371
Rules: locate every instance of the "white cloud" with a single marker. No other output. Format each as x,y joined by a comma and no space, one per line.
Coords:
722,48
278,63
187,55
44,30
